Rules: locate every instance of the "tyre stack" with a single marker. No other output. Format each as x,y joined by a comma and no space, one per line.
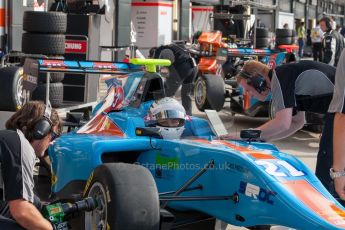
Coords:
45,35
262,39
285,37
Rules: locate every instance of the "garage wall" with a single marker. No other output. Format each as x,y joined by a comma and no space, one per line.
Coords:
201,18
299,10
286,18
153,23
267,20
184,20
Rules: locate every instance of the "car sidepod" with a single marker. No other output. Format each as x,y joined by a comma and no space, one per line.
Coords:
247,185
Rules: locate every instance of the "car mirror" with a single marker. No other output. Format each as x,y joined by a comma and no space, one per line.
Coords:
148,132
250,134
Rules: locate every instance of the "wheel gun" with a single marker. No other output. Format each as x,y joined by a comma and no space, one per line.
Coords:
58,213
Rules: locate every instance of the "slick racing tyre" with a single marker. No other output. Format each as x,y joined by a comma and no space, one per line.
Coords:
12,94
209,91
127,197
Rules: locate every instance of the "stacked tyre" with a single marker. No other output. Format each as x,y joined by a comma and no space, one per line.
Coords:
262,39
285,37
45,35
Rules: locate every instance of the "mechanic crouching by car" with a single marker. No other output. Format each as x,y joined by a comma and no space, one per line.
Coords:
181,72
296,88
28,134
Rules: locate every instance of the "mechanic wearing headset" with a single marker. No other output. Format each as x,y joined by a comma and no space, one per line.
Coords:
181,72
28,134
337,107
296,88
332,43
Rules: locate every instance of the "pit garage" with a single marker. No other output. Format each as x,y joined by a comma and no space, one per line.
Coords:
129,154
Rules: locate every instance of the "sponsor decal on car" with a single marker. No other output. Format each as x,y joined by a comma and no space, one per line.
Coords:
53,63
256,192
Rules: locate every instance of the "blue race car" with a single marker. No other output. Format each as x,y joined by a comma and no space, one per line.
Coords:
142,181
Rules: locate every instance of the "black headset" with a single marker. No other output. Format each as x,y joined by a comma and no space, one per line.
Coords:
43,126
258,82
327,22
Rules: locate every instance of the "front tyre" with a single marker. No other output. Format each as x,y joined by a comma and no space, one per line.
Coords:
209,91
127,197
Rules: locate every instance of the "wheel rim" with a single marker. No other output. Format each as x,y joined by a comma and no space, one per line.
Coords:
200,92
20,94
272,111
97,219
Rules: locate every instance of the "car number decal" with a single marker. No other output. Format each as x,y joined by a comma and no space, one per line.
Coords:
274,168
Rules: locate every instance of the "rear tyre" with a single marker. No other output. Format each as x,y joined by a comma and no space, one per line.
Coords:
45,22
54,77
283,33
55,93
261,42
283,41
261,32
313,128
314,122
46,44
127,196
11,93
209,91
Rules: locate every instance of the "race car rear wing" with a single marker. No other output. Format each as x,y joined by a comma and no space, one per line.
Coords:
33,67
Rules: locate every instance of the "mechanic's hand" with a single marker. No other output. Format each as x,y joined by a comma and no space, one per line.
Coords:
339,184
231,136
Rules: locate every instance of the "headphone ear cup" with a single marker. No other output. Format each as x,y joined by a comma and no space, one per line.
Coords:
328,24
41,129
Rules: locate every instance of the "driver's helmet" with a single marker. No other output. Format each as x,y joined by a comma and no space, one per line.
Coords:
168,115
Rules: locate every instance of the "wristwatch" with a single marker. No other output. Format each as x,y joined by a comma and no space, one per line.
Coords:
333,174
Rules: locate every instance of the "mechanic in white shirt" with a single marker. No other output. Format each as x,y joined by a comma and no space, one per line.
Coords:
28,134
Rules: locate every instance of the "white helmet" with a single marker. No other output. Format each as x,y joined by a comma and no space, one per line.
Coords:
168,115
